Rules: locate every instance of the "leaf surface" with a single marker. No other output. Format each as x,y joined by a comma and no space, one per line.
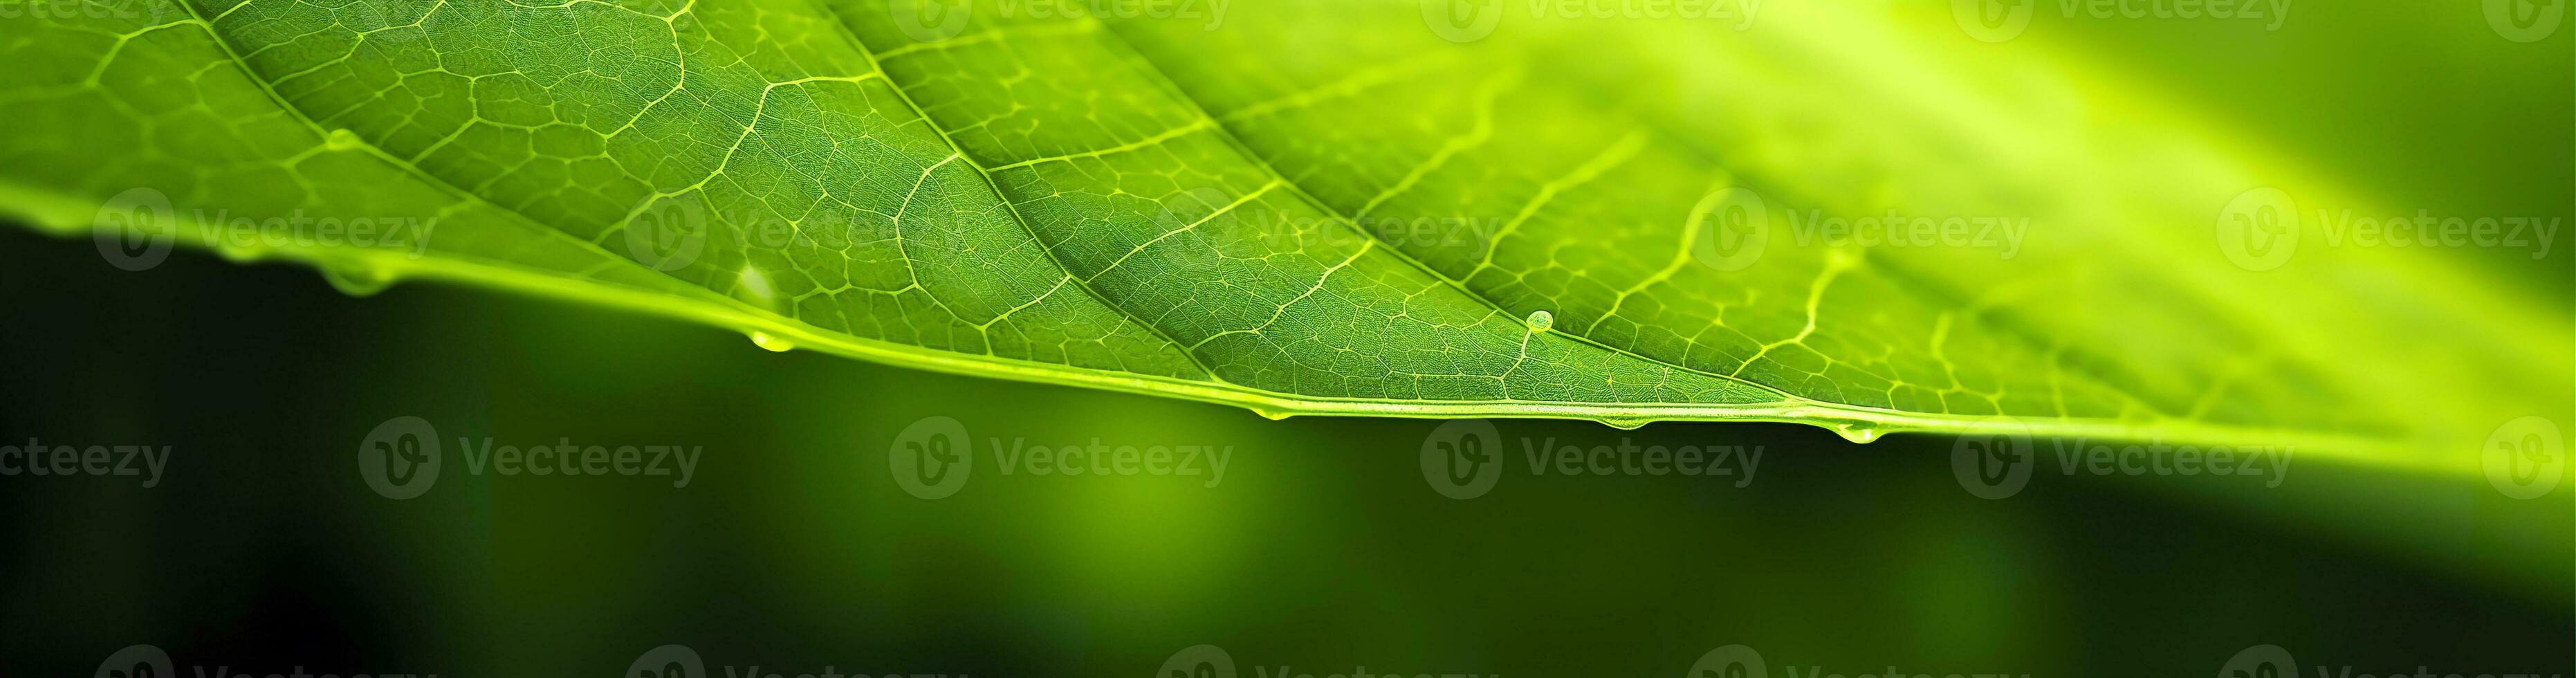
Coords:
1311,208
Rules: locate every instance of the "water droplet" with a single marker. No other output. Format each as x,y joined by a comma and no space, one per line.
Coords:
1539,321
358,280
1273,415
342,139
772,342
1856,433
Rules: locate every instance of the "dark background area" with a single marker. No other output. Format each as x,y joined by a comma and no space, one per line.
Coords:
1323,549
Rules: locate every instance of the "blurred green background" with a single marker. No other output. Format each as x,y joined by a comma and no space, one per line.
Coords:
1323,549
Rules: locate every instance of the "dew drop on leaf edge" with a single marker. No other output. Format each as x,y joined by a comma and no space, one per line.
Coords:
1539,321
1857,434
357,280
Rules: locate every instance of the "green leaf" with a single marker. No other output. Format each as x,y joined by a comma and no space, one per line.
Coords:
1299,208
